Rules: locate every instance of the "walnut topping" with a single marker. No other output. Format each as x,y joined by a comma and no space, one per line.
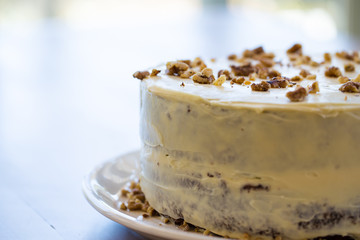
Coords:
176,68
311,77
244,70
220,80
225,72
295,49
187,61
350,87
327,57
188,73
333,72
251,53
204,77
252,76
154,73
279,82
298,95
314,64
266,62
263,73
232,57
141,74
263,86
198,62
349,67
357,79
343,79
296,78
346,55
304,73
314,87
239,80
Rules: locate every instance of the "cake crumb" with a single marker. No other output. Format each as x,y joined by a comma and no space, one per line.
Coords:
333,72
213,60
297,95
182,84
263,86
345,98
141,74
123,206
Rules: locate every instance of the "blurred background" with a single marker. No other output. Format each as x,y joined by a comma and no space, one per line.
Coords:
68,100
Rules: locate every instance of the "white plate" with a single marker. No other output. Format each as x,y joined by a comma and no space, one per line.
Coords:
101,188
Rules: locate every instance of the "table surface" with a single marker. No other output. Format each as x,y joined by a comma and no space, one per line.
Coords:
68,102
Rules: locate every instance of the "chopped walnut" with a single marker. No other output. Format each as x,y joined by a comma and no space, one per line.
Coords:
225,72
357,79
204,77
263,86
220,80
182,84
188,73
244,70
297,95
311,77
279,82
154,73
239,80
327,57
198,62
314,87
296,78
343,79
333,72
252,76
268,55
349,67
141,74
187,61
304,73
350,87
347,55
267,62
176,68
314,64
263,73
295,49
251,53
232,57
293,58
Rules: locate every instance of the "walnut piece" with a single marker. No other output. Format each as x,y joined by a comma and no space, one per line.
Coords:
350,87
204,77
333,72
266,62
239,80
279,82
176,68
314,64
273,73
295,49
347,55
327,57
296,78
188,73
141,74
198,62
297,95
349,67
304,73
220,80
343,79
251,53
314,87
225,72
311,77
232,57
244,70
154,73
357,79
263,86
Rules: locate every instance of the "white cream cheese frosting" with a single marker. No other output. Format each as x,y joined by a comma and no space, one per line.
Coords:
236,161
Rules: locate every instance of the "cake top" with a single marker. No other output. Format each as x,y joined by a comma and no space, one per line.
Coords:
257,77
